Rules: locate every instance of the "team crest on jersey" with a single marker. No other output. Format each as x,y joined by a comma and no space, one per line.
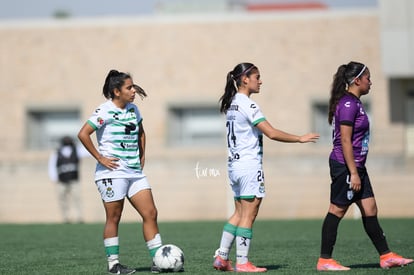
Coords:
110,192
100,120
131,110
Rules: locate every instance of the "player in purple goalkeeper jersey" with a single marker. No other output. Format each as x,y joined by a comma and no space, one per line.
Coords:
350,112
350,180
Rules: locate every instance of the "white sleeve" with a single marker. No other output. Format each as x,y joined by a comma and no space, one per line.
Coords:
253,113
52,169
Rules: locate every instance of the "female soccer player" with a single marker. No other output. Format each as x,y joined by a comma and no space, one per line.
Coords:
245,128
121,157
350,181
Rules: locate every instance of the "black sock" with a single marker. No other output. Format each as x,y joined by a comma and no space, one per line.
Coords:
329,232
376,234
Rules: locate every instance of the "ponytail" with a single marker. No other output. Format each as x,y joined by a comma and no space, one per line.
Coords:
114,80
233,82
229,91
344,76
139,91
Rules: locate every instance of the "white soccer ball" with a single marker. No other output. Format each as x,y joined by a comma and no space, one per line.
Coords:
169,258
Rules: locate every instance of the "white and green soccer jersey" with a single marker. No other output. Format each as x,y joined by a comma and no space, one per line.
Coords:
117,135
244,139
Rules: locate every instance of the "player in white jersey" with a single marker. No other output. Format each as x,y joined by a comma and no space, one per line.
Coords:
245,128
121,158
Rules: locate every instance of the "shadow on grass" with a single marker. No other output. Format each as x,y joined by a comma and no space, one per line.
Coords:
275,267
376,265
148,269
142,269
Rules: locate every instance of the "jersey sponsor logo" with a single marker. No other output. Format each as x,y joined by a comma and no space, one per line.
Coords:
128,145
365,144
253,106
130,127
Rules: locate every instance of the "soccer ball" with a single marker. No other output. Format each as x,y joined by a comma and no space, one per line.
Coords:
169,258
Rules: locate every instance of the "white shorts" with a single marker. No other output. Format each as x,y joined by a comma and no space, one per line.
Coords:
247,184
118,189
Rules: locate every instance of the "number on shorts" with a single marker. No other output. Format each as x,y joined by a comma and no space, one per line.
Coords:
260,176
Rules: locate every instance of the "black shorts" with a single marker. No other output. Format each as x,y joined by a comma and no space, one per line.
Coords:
341,193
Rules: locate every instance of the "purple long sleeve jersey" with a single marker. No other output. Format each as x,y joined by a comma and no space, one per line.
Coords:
351,112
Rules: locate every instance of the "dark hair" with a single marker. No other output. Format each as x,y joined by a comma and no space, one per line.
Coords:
233,82
139,91
114,80
67,141
345,76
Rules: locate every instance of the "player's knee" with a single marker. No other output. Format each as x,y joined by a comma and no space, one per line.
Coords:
115,218
150,214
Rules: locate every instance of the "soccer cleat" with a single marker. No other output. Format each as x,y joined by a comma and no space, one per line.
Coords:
221,264
393,260
330,265
249,267
155,269
121,269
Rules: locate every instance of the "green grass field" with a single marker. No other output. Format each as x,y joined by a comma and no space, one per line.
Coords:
284,247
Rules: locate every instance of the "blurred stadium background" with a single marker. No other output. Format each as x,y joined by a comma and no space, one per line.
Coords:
52,72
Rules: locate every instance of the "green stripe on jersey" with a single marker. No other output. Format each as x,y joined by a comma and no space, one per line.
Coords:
258,121
125,157
125,140
92,125
123,133
126,149
247,197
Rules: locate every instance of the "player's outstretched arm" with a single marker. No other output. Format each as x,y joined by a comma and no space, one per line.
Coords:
278,135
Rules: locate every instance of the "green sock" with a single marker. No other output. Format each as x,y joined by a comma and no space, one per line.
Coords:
112,251
154,244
